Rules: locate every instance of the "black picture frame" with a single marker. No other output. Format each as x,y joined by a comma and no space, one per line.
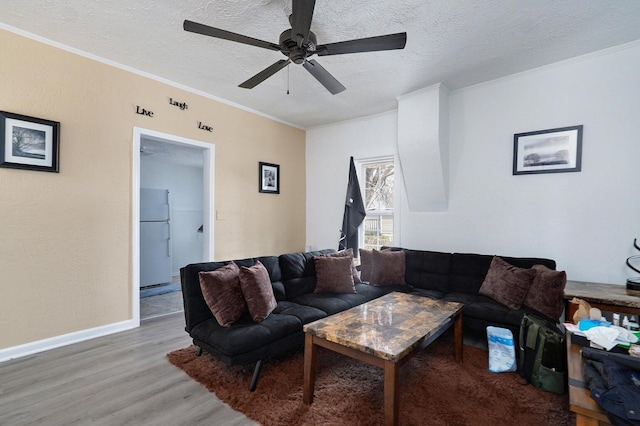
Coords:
29,143
548,151
269,178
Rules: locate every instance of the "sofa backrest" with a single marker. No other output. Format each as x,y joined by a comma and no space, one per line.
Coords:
196,309
468,270
299,272
427,269
272,266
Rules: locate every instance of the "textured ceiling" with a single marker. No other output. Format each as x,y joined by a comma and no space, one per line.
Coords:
458,42
164,151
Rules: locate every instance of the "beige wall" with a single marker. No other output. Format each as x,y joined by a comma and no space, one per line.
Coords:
65,239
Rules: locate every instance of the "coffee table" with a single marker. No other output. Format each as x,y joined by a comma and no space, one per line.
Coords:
384,332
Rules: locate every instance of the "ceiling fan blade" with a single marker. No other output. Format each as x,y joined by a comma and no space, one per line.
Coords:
370,44
301,20
194,27
264,74
323,76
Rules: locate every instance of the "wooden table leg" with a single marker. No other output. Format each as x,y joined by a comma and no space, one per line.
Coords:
391,388
457,337
309,369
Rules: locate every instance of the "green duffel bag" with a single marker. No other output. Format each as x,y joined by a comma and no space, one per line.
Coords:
542,359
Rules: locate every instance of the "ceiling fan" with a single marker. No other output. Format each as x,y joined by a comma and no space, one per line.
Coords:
299,43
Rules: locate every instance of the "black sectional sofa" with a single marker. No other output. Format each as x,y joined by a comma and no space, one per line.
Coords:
447,276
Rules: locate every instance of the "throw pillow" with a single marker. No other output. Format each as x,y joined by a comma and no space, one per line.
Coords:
334,274
222,293
507,284
546,294
348,253
258,293
387,267
365,264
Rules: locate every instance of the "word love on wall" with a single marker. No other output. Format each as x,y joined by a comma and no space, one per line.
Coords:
204,127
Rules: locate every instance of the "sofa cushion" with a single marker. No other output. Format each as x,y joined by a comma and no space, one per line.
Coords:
468,271
546,294
355,299
257,291
428,270
387,267
464,298
371,292
434,294
334,274
305,314
246,335
507,284
348,253
222,293
326,302
485,311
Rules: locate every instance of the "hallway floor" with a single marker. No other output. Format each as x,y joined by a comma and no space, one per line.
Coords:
162,304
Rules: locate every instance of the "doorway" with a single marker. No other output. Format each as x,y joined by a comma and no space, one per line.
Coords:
184,168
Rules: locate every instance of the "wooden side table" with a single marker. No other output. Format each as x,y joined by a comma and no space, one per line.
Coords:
606,297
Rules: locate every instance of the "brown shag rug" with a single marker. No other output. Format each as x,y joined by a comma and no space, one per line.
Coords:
435,390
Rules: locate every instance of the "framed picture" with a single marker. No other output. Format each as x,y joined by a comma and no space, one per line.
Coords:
548,151
269,178
29,143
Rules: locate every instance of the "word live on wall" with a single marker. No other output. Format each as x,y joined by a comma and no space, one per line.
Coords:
182,105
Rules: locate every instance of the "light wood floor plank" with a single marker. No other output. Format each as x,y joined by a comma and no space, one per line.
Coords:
121,379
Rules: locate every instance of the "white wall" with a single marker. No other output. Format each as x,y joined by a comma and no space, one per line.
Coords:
586,221
185,189
328,151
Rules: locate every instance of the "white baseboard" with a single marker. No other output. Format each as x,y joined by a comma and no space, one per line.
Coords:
65,339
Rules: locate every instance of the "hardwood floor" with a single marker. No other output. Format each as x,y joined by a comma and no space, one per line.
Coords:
121,379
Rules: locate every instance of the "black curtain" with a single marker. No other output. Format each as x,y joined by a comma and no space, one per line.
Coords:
354,213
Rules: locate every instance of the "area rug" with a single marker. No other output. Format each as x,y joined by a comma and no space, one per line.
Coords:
435,390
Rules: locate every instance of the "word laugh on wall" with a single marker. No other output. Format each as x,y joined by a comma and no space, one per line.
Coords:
181,105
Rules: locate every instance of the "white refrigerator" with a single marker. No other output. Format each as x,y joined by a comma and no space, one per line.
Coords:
155,237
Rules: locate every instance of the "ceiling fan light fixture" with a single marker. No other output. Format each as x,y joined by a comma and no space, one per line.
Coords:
298,43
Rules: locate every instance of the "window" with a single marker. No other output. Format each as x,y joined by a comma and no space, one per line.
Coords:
377,178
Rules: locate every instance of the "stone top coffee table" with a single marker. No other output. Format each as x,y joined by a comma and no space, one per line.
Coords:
384,332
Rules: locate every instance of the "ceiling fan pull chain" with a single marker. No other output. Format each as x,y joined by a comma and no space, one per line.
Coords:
288,73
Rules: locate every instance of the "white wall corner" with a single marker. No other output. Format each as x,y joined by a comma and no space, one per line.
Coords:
423,147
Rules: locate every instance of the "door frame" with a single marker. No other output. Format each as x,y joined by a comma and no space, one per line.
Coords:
208,201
